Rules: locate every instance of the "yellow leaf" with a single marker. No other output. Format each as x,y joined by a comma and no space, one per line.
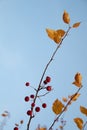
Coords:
58,35
64,99
55,35
75,25
78,80
42,129
83,110
66,17
77,84
51,33
57,38
79,122
75,96
60,32
57,107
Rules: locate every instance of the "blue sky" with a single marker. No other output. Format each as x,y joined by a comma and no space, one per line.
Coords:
25,50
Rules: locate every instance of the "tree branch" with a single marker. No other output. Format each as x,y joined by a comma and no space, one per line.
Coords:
36,95
71,99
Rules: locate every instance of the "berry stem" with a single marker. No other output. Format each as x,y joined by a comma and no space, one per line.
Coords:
43,94
46,67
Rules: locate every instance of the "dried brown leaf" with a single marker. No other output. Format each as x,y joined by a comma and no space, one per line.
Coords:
66,17
55,35
79,122
42,129
64,99
78,80
83,110
75,96
57,107
75,25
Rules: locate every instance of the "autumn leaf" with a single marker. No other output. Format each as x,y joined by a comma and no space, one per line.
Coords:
79,122
21,122
75,96
51,33
55,35
58,35
78,80
61,127
57,38
75,25
83,110
60,32
66,17
76,84
4,114
42,129
64,99
57,107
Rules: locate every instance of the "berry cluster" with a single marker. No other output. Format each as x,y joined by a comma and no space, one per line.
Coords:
32,97
46,81
34,107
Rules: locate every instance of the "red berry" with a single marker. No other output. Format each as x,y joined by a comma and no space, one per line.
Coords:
16,128
48,88
32,96
44,105
33,104
26,99
29,113
48,79
37,109
45,82
27,84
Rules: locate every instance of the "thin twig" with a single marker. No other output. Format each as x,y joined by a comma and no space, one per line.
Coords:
43,94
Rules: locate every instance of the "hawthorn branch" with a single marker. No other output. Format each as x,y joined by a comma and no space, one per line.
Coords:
46,67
